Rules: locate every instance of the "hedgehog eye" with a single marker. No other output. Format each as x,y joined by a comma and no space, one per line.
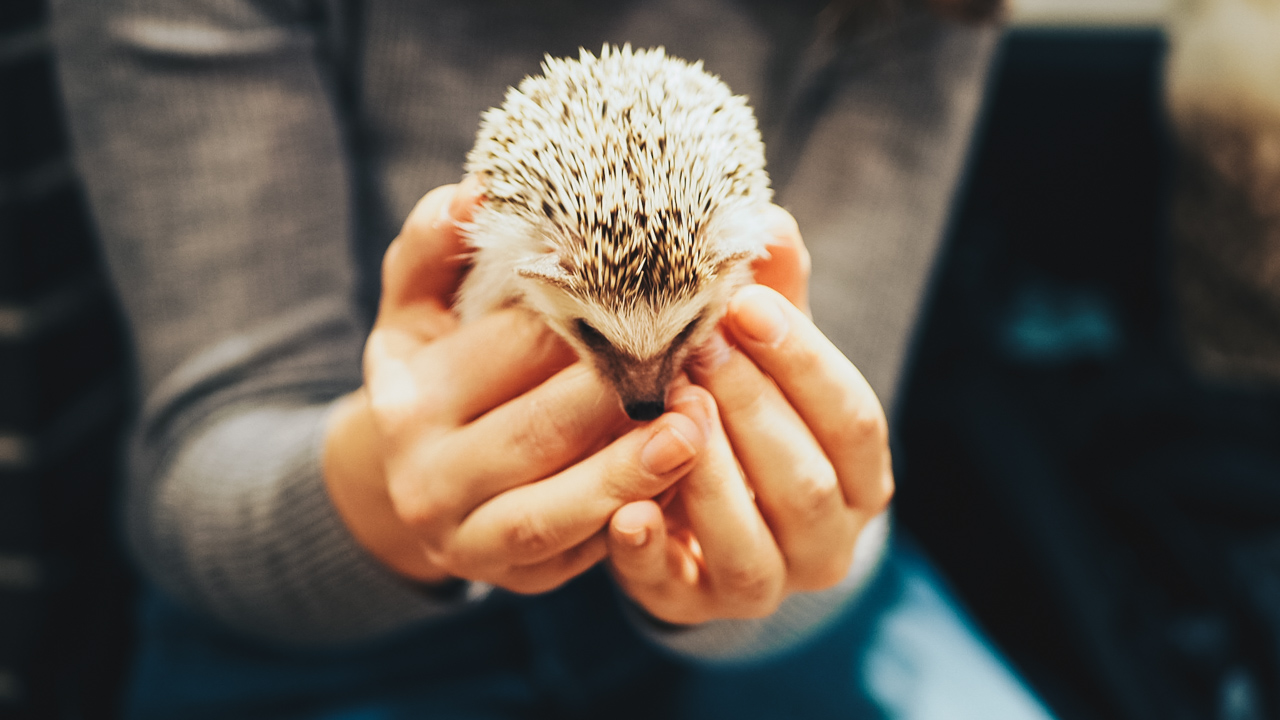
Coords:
686,332
591,336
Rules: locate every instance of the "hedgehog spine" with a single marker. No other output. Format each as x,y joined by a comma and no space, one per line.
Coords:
622,203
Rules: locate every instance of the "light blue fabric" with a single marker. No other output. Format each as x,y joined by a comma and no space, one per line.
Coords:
927,661
904,651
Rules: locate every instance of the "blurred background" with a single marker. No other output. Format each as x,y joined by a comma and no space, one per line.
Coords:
1090,13
64,590
1107,516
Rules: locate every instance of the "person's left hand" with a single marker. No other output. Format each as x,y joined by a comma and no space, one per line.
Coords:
796,463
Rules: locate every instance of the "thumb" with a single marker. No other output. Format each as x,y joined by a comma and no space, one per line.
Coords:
788,265
426,261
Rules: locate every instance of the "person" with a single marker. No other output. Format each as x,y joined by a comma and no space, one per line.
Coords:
347,505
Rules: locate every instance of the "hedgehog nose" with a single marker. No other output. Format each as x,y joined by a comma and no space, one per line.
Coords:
645,410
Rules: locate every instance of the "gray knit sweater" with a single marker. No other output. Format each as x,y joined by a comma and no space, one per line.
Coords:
248,162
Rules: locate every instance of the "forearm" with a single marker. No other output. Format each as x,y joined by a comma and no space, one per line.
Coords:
874,183
213,154
240,526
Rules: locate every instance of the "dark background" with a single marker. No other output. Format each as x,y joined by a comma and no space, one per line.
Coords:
1109,518
1106,516
64,610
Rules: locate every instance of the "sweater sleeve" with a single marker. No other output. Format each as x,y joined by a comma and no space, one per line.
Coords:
867,139
207,135
870,175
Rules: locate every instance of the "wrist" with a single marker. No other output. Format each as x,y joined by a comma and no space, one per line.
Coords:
355,477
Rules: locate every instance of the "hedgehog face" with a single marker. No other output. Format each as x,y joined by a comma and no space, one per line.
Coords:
640,378
641,348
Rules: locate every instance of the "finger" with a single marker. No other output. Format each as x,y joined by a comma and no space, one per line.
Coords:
555,571
426,260
742,563
532,437
460,375
796,487
638,546
535,521
828,392
655,570
787,267
491,360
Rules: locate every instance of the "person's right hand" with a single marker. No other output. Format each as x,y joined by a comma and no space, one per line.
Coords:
484,451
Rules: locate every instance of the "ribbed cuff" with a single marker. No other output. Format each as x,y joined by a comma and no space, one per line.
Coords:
800,617
261,546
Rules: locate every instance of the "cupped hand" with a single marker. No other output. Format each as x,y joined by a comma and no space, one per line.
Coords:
796,463
484,451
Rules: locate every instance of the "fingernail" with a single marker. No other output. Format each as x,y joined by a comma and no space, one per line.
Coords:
690,403
666,451
635,537
393,250
445,216
756,313
464,199
782,227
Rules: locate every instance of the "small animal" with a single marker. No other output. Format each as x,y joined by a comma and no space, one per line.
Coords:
622,204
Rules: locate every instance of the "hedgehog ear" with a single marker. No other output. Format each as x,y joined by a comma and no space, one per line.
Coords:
740,237
725,261
545,267
737,250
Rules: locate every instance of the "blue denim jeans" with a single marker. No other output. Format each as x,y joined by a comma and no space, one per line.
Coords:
904,650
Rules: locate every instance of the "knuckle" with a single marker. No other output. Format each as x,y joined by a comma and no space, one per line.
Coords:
804,360
528,536
540,437
414,507
422,506
437,554
863,430
752,589
884,496
429,517
815,493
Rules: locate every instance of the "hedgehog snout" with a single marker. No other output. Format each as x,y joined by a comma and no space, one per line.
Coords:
645,410
641,384
644,401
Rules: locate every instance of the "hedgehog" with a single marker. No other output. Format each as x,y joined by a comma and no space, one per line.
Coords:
622,204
